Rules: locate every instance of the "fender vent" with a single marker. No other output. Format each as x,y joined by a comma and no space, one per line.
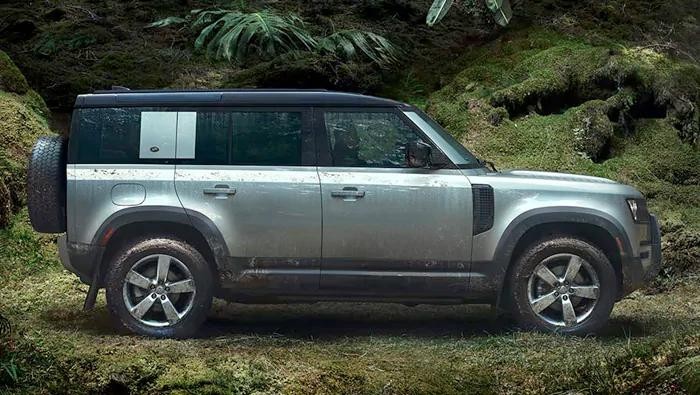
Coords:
483,207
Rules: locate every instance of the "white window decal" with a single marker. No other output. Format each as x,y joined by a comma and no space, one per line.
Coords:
158,131
186,134
168,135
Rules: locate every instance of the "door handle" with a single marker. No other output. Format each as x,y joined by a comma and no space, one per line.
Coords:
220,190
348,192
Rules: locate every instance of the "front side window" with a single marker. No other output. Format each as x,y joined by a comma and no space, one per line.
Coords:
368,139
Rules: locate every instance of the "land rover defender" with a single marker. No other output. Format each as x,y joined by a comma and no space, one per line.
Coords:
168,199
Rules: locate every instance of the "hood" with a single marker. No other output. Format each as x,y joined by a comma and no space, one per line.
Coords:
544,175
559,183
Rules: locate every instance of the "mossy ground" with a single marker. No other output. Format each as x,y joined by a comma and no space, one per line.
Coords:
328,348
537,99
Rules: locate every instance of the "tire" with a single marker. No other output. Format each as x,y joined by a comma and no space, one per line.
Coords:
530,292
185,262
46,185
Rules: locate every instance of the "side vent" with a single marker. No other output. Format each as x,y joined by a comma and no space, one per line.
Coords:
483,207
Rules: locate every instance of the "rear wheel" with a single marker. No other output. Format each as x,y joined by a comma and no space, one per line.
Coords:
160,287
563,284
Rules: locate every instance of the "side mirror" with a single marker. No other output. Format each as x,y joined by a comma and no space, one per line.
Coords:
438,160
418,154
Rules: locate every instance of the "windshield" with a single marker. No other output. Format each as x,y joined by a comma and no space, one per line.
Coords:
454,150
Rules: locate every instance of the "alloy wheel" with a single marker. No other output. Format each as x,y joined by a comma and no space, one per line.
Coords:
159,290
563,290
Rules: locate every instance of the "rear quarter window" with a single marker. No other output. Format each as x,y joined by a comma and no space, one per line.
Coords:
106,135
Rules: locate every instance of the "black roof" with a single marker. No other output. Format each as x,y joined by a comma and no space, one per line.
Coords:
121,97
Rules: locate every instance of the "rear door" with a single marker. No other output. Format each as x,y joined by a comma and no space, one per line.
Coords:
253,175
388,229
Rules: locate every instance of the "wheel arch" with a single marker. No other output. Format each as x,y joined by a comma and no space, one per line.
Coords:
190,226
594,226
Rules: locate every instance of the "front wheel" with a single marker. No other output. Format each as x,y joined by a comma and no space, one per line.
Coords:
564,285
160,287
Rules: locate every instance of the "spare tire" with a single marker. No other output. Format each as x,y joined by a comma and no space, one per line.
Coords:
46,185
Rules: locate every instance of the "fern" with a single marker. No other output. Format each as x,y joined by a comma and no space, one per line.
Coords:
233,35
347,43
169,21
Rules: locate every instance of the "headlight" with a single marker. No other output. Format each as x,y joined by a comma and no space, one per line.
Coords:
638,208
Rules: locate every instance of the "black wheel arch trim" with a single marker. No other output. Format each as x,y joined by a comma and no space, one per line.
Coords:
179,215
562,214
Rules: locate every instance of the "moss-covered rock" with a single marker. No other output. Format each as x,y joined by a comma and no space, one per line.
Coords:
11,79
22,121
626,114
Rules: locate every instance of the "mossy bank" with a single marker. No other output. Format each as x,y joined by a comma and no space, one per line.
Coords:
22,120
537,99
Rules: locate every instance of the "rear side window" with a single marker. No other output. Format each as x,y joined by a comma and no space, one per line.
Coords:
107,135
259,138
205,136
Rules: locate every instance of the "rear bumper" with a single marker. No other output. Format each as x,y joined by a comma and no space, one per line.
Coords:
80,259
638,271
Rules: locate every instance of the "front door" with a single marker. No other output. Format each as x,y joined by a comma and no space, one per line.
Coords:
388,228
253,175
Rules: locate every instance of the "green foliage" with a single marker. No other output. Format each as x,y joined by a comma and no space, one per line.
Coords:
234,35
49,44
687,371
437,11
346,43
169,21
501,10
9,371
502,13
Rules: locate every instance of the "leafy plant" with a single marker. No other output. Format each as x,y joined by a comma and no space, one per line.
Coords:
234,35
501,9
438,11
10,370
502,12
169,21
346,43
49,44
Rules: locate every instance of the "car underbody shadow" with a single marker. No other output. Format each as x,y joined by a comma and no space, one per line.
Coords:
325,320
329,321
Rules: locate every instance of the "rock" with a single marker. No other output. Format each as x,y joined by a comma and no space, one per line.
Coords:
21,29
11,79
55,14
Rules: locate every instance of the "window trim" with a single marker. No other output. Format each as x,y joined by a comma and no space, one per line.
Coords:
308,139
323,141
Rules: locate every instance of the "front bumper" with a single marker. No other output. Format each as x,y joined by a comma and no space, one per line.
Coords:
638,271
80,259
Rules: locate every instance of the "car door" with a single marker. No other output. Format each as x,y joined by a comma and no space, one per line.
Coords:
253,176
388,228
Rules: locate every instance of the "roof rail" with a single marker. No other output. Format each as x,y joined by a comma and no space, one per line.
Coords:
122,89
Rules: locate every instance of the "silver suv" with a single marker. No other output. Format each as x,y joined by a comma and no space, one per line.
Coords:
170,198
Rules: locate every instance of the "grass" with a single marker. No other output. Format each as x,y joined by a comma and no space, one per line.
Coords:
328,348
